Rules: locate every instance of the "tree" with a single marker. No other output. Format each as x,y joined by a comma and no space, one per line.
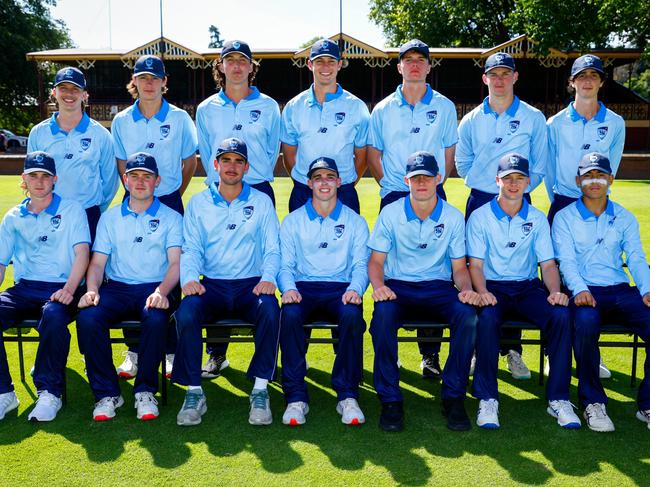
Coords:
215,37
310,42
25,26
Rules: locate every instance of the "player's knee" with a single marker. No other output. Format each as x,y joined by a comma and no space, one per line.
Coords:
291,316
586,323
154,319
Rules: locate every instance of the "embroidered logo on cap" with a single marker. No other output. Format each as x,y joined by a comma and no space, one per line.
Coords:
148,62
236,45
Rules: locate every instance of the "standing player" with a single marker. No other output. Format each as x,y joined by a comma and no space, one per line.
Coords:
323,276
325,121
413,118
81,147
154,126
238,110
231,239
47,239
501,125
138,247
418,244
506,239
590,237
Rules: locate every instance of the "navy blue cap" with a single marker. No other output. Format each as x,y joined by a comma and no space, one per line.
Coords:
39,161
141,161
234,145
594,161
421,162
414,45
231,47
322,163
70,75
588,61
149,64
513,163
325,47
499,60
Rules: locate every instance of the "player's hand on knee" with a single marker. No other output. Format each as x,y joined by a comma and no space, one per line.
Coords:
383,293
62,296
487,299
290,297
91,298
646,299
157,300
351,297
558,299
264,287
585,299
193,288
469,297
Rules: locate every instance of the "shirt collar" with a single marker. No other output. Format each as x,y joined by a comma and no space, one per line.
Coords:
255,93
585,213
217,198
152,210
426,99
599,117
328,96
313,214
161,115
52,208
499,213
410,213
511,111
81,127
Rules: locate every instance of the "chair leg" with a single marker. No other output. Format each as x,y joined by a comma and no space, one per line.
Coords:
163,380
21,356
541,363
64,394
635,353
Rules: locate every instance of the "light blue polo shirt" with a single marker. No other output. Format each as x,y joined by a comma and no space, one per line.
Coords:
234,240
398,129
169,136
590,249
255,120
510,247
84,157
419,250
332,249
137,244
485,137
42,246
571,136
333,130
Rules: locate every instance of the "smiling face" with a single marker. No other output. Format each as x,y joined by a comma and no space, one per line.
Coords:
586,84
69,97
324,184
141,184
512,186
325,70
414,67
39,184
231,168
150,88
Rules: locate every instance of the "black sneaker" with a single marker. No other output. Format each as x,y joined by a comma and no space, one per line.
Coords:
430,366
213,367
392,416
454,411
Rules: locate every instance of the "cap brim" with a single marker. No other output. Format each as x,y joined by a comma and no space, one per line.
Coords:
140,73
420,172
573,75
324,55
499,66
582,172
38,169
426,54
219,156
503,174
310,173
236,52
83,87
144,169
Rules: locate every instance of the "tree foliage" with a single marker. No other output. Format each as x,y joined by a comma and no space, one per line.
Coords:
215,37
25,26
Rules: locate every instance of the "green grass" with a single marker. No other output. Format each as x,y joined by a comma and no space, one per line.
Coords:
529,449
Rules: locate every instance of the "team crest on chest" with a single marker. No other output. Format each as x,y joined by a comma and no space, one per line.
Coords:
153,225
431,116
164,131
85,143
602,132
513,125
55,221
338,230
438,230
526,228
248,212
339,117
255,115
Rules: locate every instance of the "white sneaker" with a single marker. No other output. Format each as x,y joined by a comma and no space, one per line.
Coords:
472,365
213,367
169,364
260,411
146,405
644,416
603,371
106,406
597,419
129,368
488,414
350,411
194,406
564,413
8,402
516,366
47,405
295,413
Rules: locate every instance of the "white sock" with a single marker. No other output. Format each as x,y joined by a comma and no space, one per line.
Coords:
260,384
195,389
